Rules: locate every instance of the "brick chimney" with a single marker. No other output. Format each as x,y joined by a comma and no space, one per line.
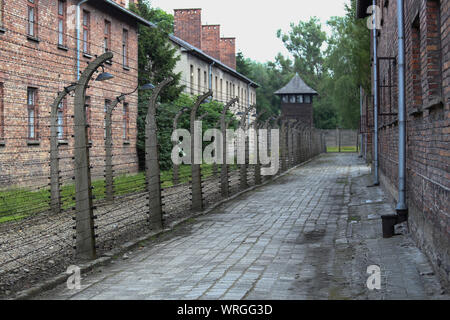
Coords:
228,52
188,26
211,40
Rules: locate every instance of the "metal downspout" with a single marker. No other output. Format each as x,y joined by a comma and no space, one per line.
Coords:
376,180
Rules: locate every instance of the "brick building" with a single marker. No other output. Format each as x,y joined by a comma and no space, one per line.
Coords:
427,91
297,101
208,61
38,58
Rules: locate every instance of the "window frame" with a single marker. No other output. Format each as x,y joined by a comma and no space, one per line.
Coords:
34,5
307,97
2,13
62,21
125,36
62,107
32,107
86,31
126,121
192,80
107,36
107,105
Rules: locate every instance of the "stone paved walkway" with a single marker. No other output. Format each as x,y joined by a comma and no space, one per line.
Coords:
309,235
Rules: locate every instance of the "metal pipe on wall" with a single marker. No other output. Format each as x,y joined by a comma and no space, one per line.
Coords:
376,180
401,204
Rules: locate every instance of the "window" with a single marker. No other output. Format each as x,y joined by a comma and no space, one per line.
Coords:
199,82
62,120
32,113
192,79
61,22
221,89
228,92
1,13
285,99
205,85
107,105
416,68
299,98
125,120
125,47
107,36
234,90
32,18
307,99
433,60
292,99
87,107
217,87
2,120
86,27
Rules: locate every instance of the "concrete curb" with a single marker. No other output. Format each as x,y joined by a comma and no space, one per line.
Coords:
107,257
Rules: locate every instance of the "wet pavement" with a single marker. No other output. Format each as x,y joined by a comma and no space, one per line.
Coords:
311,234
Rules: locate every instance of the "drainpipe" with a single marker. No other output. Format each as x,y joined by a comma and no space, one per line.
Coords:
77,24
389,221
376,180
248,102
360,116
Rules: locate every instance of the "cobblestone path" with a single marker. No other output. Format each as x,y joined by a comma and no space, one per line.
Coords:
308,235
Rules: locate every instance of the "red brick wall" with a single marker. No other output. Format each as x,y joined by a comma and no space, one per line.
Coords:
428,122
228,52
188,26
41,64
211,40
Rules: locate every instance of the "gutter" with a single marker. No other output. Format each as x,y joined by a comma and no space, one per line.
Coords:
376,180
401,215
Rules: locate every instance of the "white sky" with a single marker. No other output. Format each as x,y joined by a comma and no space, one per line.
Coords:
254,23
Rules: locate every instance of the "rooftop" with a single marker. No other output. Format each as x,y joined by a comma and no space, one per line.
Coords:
296,86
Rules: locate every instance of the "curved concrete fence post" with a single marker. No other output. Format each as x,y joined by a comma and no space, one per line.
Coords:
85,236
152,169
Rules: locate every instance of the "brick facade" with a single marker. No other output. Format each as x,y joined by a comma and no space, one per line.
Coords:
428,121
188,26
211,40
228,51
47,66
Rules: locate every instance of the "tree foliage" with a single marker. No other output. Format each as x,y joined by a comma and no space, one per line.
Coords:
334,66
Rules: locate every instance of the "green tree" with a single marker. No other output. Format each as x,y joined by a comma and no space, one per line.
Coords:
157,61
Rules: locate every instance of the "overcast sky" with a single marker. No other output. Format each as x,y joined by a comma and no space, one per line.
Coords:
254,23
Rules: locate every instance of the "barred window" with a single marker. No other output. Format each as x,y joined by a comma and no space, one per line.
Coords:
62,120
32,18
126,121
61,22
32,113
125,47
86,30
107,36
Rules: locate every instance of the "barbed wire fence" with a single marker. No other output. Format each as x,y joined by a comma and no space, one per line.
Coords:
66,198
